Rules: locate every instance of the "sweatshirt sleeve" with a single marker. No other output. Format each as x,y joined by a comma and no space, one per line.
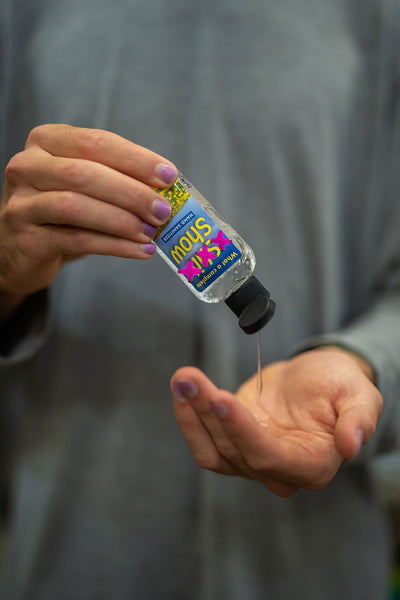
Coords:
25,332
375,334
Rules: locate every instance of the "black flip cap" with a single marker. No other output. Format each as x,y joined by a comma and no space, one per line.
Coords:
252,304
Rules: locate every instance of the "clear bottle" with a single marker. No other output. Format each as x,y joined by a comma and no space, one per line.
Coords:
210,257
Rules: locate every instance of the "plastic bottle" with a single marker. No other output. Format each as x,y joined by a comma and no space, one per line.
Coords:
210,257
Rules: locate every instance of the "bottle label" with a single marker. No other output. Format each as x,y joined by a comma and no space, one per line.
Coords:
193,242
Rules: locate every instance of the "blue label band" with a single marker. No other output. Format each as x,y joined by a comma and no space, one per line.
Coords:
197,247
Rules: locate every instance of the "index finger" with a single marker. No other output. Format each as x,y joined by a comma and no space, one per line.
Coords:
228,420
107,148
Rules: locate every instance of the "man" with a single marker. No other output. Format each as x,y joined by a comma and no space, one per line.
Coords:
285,117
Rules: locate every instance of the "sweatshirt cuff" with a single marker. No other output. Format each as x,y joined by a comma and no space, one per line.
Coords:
23,334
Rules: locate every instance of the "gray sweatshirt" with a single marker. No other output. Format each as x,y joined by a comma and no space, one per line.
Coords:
286,116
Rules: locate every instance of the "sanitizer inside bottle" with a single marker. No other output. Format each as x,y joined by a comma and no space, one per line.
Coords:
210,257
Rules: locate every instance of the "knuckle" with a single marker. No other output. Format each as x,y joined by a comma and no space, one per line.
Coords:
71,242
91,143
74,173
206,461
230,453
16,167
257,463
80,241
67,206
37,134
125,221
12,213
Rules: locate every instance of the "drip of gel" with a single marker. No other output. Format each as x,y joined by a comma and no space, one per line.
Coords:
259,372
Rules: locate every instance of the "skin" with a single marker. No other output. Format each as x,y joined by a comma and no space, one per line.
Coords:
315,411
72,192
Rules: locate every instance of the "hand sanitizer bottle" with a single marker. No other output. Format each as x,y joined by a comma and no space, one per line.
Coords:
210,257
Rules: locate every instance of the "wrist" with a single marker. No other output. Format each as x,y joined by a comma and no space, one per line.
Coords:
365,366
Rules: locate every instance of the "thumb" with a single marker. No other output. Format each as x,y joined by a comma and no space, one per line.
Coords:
357,420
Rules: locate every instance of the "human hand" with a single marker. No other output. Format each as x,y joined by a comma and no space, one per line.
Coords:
315,410
72,192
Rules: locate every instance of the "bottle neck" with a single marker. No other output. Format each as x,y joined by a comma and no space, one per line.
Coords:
251,302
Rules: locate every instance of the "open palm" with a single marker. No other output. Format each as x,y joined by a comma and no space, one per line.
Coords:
314,411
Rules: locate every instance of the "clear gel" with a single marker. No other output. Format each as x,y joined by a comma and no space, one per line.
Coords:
259,370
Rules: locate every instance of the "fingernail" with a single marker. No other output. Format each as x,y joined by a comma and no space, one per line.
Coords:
149,230
184,389
360,438
221,410
177,392
166,173
161,209
148,248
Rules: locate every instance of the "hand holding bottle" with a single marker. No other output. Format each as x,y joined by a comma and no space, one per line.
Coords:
75,191
315,410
